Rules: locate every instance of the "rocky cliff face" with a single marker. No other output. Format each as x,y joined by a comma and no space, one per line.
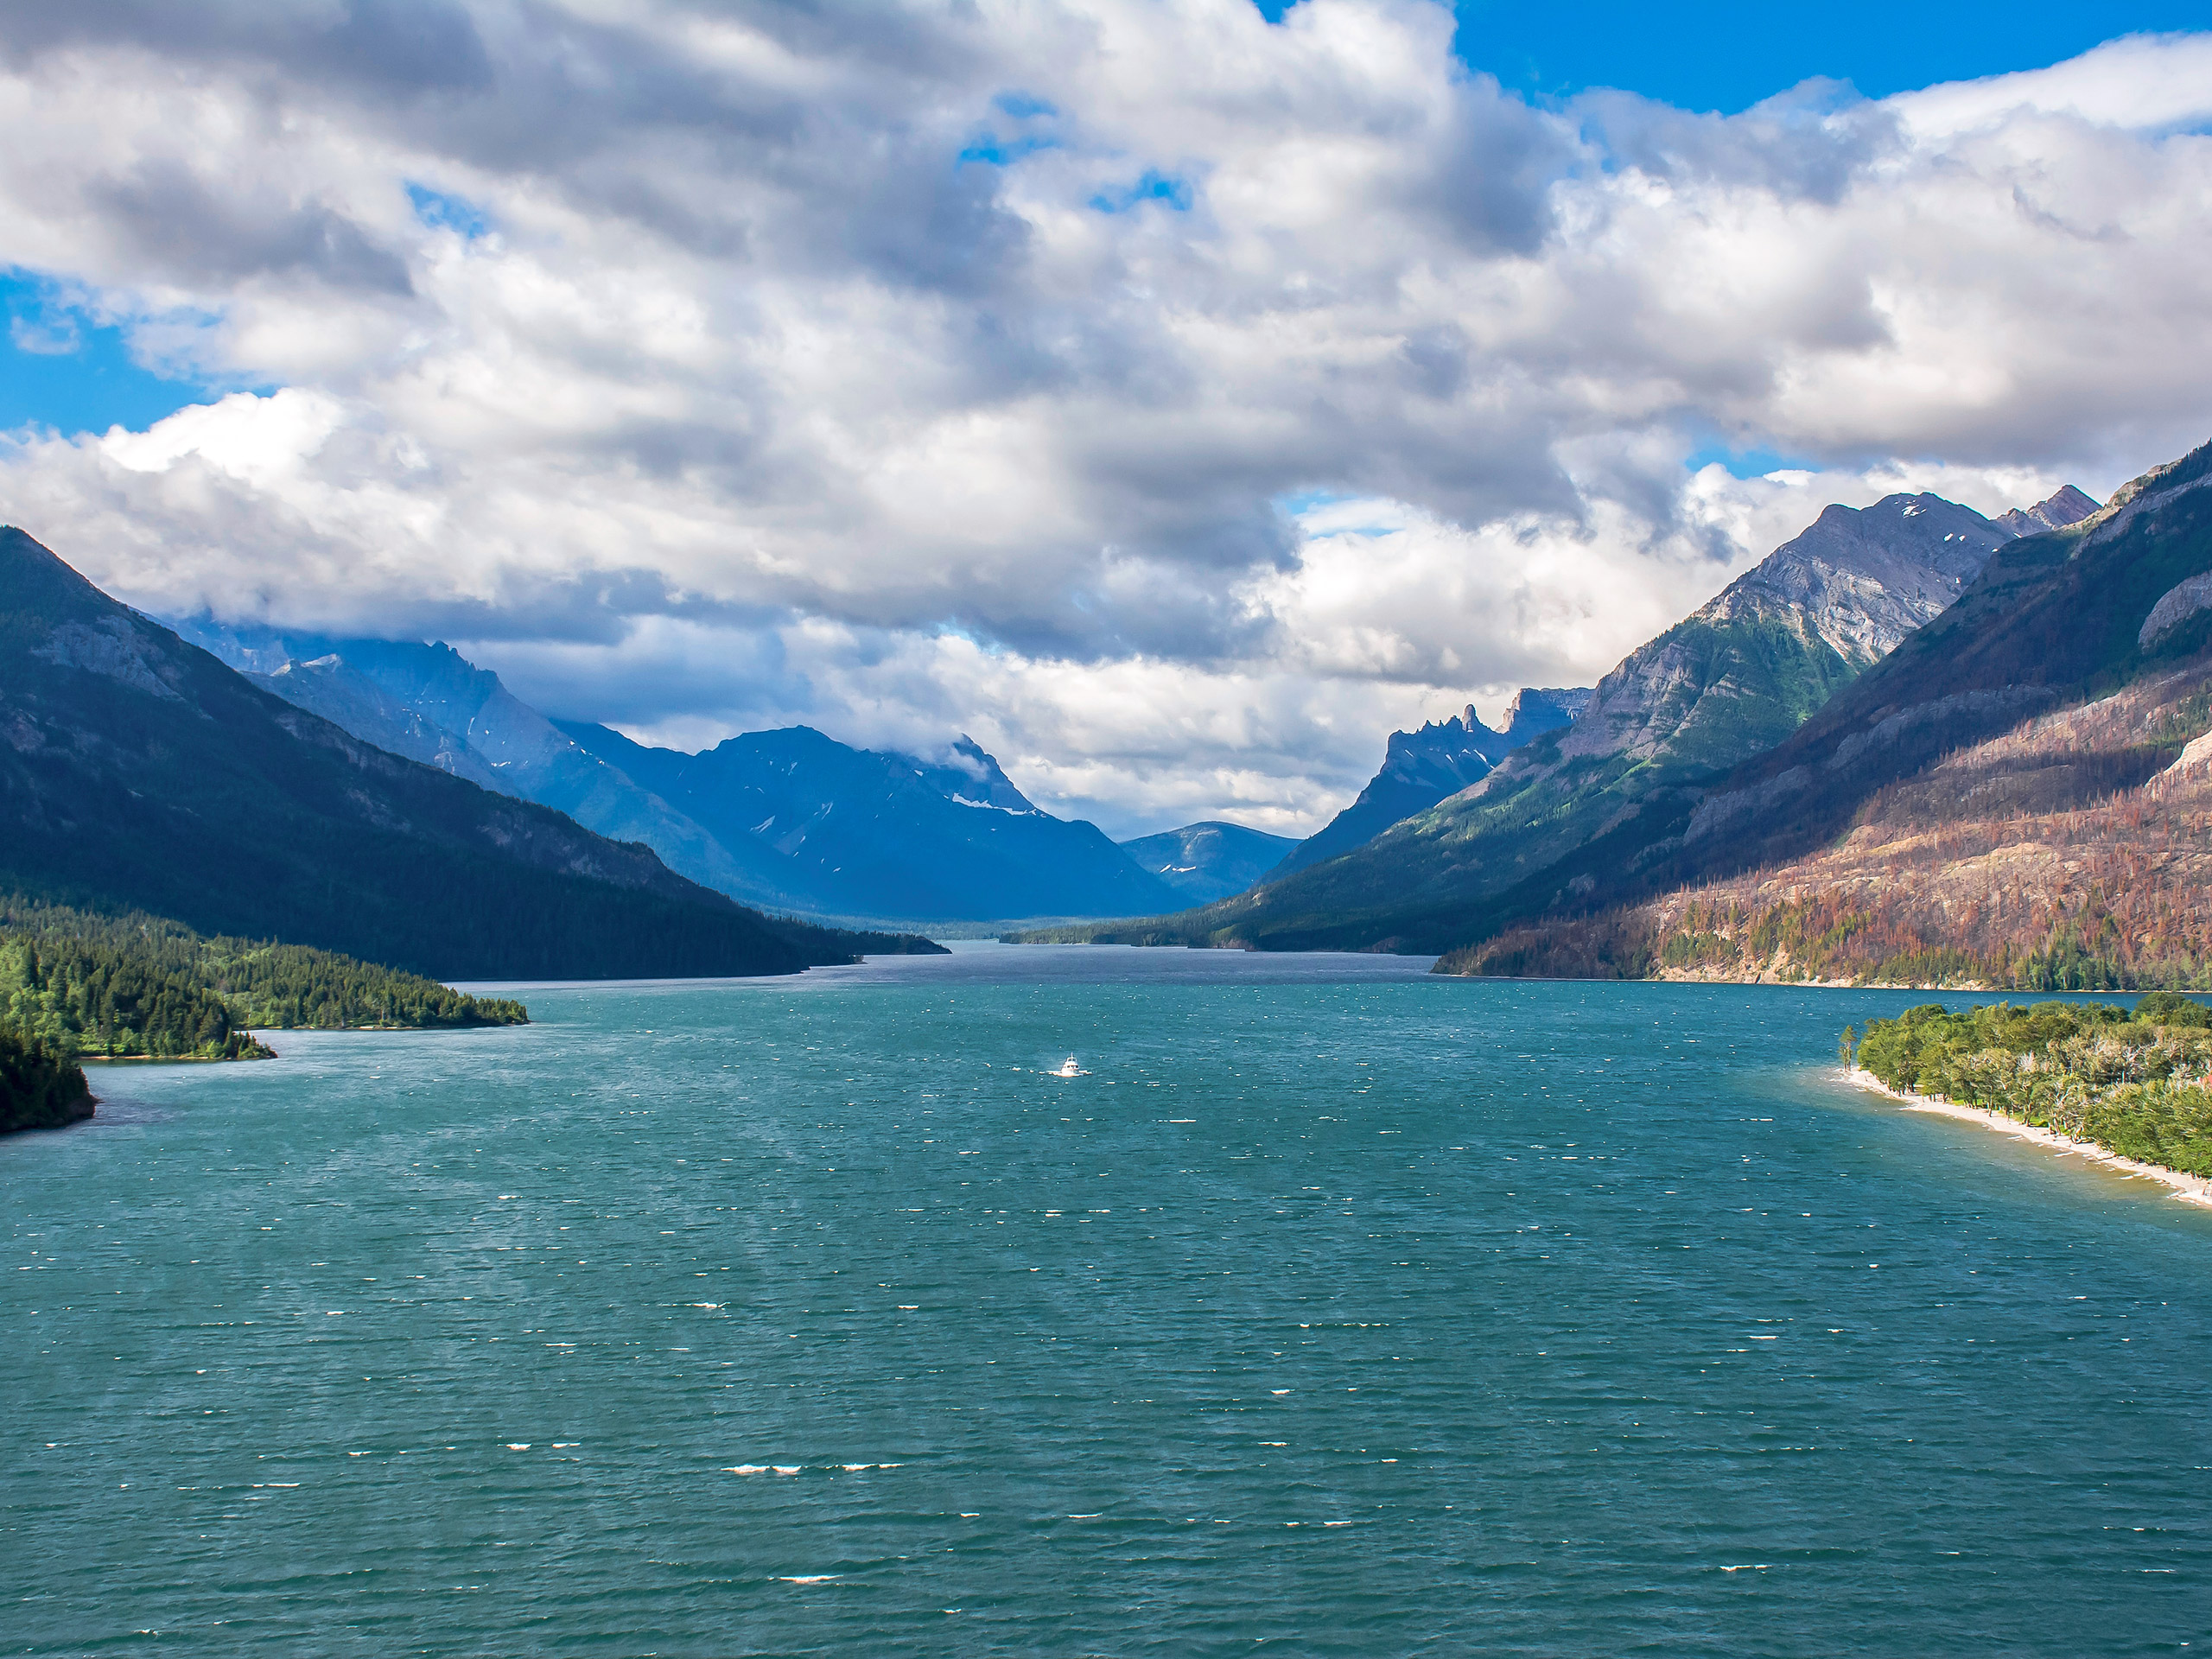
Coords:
1421,768
1535,710
329,686
1780,640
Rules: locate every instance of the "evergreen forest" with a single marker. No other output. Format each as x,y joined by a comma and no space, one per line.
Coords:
2134,1082
40,1087
136,985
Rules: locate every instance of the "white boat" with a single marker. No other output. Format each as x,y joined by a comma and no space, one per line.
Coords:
1068,1068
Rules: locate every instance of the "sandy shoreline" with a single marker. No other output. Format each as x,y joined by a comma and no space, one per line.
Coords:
2193,1189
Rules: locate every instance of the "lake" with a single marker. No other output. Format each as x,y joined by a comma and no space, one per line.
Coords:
1338,1309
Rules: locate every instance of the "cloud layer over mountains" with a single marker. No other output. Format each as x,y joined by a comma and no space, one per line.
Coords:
1175,400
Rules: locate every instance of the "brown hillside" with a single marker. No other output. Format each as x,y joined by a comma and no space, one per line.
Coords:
2071,852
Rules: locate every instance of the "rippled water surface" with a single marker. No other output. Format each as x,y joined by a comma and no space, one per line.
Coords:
1339,1310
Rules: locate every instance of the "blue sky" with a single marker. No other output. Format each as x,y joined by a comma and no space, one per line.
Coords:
61,368
1729,55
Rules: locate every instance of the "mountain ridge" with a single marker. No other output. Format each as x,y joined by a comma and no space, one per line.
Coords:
1421,767
2019,797
139,771
1676,716
1209,859
876,833
429,701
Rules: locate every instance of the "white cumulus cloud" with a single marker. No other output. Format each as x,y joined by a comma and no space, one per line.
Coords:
1172,400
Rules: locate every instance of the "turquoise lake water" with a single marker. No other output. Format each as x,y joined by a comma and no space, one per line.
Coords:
1339,1310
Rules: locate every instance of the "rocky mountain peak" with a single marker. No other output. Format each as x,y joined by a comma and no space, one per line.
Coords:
1863,578
972,774
1834,599
2066,505
1423,767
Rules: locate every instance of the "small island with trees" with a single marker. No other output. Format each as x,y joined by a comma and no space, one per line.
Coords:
77,986
2137,1082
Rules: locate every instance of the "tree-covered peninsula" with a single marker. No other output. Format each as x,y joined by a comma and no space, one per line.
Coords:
40,1088
2135,1082
138,985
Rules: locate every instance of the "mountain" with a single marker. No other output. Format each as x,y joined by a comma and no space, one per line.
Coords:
1204,861
1585,803
2019,797
2068,507
866,832
430,703
763,846
330,687
1535,710
137,772
1420,768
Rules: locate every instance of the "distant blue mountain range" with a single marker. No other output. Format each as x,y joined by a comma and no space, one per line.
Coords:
794,820
1209,861
879,834
789,819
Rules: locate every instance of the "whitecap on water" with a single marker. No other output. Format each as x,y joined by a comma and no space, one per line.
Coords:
747,1468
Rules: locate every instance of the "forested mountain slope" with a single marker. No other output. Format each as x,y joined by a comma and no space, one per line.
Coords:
1589,802
2019,796
135,984
137,772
